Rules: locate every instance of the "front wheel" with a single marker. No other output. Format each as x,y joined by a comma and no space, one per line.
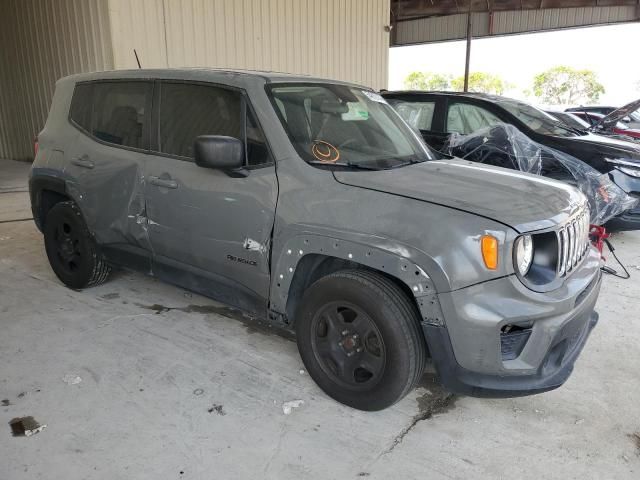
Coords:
359,337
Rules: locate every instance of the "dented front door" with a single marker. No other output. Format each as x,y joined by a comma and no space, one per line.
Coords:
209,231
213,224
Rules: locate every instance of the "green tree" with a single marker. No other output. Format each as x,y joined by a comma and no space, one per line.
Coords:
564,85
482,82
427,81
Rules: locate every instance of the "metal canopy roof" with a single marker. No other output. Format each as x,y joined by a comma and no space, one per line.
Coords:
426,21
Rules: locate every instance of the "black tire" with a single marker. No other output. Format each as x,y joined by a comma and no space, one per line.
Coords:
382,361
72,251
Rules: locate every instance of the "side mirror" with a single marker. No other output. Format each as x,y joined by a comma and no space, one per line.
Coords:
220,153
626,119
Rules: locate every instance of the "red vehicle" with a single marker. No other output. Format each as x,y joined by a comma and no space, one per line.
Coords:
611,123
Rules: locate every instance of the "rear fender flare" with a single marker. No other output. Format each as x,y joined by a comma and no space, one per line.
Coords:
39,183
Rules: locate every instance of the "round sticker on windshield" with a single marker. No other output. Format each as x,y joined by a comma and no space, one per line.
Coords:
325,152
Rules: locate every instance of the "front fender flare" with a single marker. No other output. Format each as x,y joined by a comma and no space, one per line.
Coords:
388,257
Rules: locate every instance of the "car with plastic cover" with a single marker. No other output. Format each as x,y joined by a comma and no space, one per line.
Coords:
448,120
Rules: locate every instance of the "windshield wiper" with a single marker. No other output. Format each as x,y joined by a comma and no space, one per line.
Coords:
355,166
569,128
411,161
575,130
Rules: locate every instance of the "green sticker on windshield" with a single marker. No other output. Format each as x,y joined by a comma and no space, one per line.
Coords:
356,112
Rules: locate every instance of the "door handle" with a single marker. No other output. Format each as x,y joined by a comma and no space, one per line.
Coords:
163,182
82,161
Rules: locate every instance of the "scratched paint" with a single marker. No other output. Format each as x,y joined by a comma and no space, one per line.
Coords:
254,246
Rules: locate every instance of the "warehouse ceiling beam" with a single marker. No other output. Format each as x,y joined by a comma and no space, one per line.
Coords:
427,21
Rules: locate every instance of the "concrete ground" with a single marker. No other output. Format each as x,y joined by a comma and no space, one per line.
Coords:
138,379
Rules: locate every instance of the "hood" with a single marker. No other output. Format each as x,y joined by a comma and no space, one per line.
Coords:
522,201
617,145
614,117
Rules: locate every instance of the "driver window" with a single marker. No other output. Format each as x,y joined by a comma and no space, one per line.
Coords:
190,110
465,119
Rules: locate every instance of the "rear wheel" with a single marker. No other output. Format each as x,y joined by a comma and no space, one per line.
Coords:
359,337
72,251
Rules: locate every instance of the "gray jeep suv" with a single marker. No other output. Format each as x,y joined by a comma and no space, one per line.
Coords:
311,204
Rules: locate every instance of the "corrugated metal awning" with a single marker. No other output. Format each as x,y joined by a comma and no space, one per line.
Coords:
427,21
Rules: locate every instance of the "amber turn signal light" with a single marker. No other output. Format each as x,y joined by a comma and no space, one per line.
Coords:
489,246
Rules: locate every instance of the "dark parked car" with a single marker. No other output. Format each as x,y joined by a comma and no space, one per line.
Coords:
602,109
587,122
631,118
438,115
570,120
596,120
310,204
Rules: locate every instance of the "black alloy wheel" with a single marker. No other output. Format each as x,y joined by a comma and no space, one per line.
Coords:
348,345
67,247
73,253
359,337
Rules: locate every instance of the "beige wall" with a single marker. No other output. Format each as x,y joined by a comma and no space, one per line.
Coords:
43,40
341,39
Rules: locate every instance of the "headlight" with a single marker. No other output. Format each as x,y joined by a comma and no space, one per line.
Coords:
524,254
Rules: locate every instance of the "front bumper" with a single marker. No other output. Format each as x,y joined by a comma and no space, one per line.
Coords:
467,351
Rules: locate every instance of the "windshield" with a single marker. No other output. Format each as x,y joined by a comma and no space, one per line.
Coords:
348,126
535,119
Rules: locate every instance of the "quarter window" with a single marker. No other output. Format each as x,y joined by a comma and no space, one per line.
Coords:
120,110
188,111
81,106
465,119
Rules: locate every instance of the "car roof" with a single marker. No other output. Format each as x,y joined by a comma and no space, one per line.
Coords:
482,96
560,112
590,106
235,77
595,114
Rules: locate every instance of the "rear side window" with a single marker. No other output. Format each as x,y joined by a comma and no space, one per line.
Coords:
81,106
465,119
417,114
188,111
120,112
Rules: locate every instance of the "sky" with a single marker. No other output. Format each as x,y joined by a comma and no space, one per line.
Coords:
611,51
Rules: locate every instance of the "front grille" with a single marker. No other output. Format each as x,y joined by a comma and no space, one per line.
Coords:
573,243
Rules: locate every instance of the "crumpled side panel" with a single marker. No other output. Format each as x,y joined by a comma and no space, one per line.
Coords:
503,145
111,197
